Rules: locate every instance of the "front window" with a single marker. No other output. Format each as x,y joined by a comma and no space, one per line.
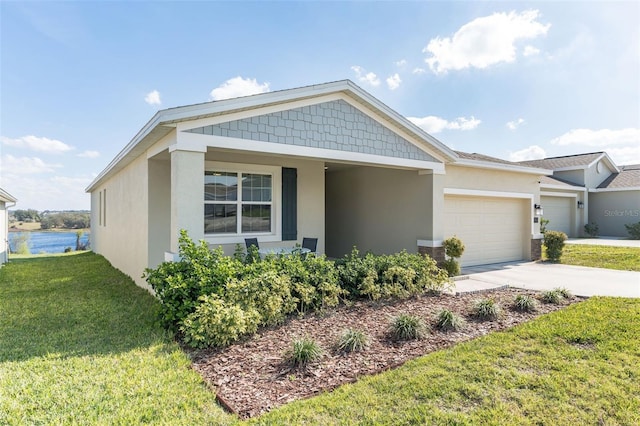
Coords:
228,194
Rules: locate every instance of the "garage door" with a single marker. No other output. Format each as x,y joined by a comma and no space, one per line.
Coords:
493,230
557,210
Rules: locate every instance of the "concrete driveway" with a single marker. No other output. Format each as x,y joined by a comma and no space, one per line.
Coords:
580,280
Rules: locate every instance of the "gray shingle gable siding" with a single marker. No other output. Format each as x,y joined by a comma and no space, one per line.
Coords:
334,125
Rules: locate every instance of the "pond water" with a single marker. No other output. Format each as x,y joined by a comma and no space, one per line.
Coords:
46,242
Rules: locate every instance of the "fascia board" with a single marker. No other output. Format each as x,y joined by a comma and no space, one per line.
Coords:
606,157
503,167
563,187
631,188
6,197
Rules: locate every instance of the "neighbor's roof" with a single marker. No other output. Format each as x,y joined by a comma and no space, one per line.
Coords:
164,121
557,182
486,161
629,177
570,162
6,197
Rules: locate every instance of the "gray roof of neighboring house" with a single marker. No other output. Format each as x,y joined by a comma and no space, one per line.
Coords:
629,177
551,180
482,157
567,161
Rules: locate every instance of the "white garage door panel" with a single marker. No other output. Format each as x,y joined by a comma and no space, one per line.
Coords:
558,211
492,229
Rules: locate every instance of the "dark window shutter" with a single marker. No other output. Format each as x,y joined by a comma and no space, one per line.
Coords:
289,204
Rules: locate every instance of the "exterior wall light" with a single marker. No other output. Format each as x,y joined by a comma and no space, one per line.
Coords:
537,208
580,205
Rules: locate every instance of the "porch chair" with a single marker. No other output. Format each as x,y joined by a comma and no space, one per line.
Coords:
310,243
251,242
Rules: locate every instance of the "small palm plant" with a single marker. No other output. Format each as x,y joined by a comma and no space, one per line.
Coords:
408,327
449,321
353,341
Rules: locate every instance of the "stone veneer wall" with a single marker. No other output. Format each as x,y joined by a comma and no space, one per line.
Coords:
436,253
536,249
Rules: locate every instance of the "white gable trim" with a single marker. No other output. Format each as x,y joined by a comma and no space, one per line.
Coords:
631,188
503,167
193,140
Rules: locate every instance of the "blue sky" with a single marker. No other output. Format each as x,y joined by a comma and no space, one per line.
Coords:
515,80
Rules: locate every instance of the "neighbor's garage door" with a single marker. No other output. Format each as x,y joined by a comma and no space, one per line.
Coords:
557,210
493,230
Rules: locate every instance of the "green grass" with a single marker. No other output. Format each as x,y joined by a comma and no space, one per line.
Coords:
79,345
580,365
621,258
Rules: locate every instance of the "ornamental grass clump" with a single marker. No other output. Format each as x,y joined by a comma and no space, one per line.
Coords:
353,340
408,327
552,296
525,303
564,292
303,352
449,321
486,309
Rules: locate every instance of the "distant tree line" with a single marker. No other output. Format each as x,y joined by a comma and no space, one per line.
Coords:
68,220
51,220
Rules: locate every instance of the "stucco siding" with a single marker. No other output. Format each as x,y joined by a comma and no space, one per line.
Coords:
376,209
612,210
491,180
575,176
121,234
597,174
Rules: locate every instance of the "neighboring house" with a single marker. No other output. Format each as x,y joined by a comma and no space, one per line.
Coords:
5,198
327,161
589,188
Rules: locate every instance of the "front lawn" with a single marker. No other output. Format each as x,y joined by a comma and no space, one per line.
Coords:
79,345
622,258
580,365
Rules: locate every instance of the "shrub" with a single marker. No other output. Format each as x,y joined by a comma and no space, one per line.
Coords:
552,296
543,225
525,303
303,351
486,309
592,229
554,242
216,322
564,292
449,321
634,230
353,341
451,266
407,327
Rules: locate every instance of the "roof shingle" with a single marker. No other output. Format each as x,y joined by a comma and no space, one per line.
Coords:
566,161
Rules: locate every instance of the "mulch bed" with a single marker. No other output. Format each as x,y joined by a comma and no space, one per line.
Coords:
252,377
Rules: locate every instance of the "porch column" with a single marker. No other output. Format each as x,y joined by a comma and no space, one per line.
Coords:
431,242
187,194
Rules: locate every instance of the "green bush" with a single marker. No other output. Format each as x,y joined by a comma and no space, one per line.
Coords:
352,341
216,322
179,285
451,266
525,303
554,242
303,351
486,309
408,327
592,229
634,230
449,321
543,225
552,296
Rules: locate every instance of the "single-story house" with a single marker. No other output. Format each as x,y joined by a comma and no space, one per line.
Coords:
328,161
589,188
5,198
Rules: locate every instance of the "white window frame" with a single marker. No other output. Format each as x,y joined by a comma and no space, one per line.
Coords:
276,202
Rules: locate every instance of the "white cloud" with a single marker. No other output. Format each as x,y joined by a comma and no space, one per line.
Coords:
25,165
625,155
394,81
432,124
237,87
366,77
153,98
401,63
418,71
599,138
513,125
530,51
534,152
484,41
89,154
38,144
52,193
